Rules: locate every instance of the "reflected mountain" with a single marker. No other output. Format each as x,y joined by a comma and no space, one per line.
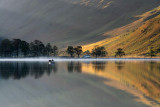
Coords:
18,70
141,75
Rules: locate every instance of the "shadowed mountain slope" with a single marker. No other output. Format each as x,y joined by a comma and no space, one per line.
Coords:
67,22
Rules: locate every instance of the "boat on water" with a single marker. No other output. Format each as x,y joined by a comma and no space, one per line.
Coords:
51,61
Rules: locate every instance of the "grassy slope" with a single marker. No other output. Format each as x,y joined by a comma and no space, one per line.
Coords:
135,42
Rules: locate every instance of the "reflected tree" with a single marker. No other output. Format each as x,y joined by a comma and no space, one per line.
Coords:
99,65
74,66
119,64
18,70
78,67
70,67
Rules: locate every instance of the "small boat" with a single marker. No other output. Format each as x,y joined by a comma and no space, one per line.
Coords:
51,61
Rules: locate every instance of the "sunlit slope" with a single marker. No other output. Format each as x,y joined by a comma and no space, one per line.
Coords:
135,41
68,22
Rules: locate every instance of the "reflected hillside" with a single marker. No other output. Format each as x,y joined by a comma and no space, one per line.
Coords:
18,70
144,76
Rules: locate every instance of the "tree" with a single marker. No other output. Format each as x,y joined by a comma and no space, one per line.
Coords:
87,52
37,48
119,52
55,50
24,46
70,50
48,49
99,51
16,45
151,52
5,47
78,50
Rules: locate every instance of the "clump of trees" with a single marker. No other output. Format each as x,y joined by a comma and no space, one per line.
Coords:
99,51
72,51
119,52
20,48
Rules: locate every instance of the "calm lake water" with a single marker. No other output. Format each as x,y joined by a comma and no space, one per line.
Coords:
80,84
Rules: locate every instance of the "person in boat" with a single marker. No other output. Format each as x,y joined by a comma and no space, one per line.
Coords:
51,61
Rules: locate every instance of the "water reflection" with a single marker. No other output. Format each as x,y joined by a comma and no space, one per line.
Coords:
18,70
99,65
143,76
120,64
140,75
74,67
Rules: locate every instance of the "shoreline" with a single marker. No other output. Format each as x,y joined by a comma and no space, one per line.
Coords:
58,59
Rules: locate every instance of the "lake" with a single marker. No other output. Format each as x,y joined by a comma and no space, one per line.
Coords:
80,83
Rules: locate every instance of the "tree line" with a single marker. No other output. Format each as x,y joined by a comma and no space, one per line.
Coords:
20,48
36,48
97,51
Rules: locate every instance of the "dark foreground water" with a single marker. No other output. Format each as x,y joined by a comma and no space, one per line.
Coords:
80,84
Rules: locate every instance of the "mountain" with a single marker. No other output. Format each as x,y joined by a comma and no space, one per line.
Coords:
135,41
68,22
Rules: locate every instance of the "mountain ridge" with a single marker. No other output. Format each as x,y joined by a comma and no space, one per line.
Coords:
63,22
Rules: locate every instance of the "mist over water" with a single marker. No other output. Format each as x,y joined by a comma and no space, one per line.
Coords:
46,59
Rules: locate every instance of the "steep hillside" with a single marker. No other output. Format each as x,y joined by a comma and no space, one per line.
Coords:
135,42
68,22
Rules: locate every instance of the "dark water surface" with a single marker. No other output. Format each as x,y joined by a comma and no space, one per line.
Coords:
80,84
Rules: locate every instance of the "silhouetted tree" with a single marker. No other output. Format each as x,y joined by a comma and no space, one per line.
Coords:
5,47
99,51
16,46
119,52
24,46
37,48
70,50
78,50
55,50
48,49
